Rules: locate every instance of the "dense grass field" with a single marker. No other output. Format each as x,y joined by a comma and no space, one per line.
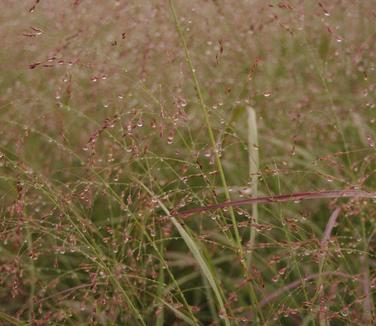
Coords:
201,162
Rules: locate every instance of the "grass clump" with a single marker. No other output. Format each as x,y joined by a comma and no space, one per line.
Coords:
187,162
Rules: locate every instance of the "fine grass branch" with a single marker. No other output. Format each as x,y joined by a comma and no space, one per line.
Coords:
296,197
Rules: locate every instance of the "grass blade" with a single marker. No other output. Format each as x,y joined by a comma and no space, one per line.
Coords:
253,161
196,252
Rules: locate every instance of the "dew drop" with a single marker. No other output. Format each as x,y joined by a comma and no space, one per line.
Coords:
282,271
345,312
370,142
170,139
183,102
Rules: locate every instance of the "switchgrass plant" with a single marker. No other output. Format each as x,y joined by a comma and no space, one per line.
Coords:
187,162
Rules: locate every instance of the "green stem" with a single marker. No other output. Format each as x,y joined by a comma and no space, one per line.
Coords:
208,125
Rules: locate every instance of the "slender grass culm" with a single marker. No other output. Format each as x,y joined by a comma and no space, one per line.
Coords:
215,150
208,123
